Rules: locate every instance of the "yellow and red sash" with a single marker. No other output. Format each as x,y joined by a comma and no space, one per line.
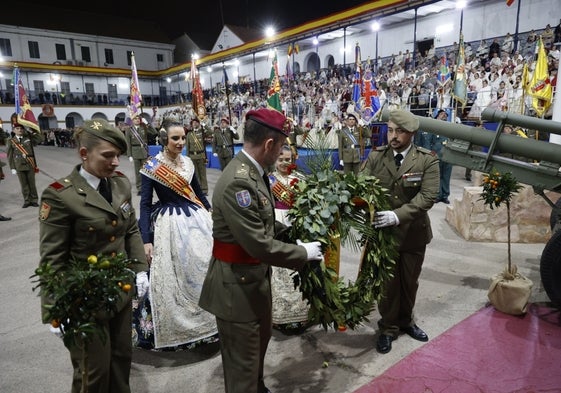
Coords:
163,174
25,154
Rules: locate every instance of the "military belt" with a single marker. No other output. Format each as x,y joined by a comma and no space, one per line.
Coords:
231,253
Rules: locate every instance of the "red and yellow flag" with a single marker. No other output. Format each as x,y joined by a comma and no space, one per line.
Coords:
539,87
25,115
198,101
509,2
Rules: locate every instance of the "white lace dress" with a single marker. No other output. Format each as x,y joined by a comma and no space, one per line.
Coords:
182,251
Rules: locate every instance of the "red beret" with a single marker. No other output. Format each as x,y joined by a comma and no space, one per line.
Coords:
270,118
225,119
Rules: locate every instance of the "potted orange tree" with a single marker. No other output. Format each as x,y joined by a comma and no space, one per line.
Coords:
509,290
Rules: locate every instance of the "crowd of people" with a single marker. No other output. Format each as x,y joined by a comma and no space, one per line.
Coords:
216,271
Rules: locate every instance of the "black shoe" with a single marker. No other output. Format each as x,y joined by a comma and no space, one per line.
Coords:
266,390
2,218
416,332
25,205
384,344
34,204
445,200
468,178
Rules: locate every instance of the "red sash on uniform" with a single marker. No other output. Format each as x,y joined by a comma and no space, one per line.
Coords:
231,253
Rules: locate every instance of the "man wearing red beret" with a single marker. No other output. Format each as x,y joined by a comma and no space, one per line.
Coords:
237,287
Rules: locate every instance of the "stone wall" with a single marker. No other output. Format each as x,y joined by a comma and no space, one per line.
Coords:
529,216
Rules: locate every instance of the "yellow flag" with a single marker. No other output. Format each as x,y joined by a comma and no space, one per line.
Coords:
540,87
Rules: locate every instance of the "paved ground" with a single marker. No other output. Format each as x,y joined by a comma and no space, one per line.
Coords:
454,284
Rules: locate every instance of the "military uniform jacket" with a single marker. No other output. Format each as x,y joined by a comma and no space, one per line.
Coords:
75,221
243,214
352,143
196,143
413,188
16,158
135,148
223,142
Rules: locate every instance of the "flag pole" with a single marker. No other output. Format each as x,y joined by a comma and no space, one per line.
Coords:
227,94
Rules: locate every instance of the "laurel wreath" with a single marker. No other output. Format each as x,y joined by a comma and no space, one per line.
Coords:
337,209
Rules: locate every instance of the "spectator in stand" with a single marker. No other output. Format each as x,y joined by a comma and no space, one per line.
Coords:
495,47
482,49
547,36
508,44
557,33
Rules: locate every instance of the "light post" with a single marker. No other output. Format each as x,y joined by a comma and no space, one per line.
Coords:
209,69
376,28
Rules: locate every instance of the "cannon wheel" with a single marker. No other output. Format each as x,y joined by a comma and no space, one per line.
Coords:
553,218
550,268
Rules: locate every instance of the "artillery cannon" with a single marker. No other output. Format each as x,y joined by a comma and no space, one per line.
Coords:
541,171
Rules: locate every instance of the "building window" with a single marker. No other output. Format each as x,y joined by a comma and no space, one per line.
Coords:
38,87
112,92
86,54
5,47
129,56
159,57
33,49
90,91
60,52
109,56
64,88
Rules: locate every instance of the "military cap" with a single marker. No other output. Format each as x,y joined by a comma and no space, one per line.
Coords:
351,114
225,119
404,120
195,119
270,118
16,124
102,129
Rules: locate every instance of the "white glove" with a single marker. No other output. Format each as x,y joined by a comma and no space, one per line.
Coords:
341,163
131,159
313,249
215,154
56,331
144,121
142,284
385,218
14,171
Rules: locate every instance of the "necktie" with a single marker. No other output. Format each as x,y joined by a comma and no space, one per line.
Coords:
266,180
398,157
105,189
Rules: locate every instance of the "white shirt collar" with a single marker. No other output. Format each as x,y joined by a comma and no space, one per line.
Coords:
404,152
91,179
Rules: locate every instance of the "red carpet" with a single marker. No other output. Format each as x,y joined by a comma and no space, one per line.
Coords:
488,352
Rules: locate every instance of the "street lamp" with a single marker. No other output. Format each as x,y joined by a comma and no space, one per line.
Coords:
376,28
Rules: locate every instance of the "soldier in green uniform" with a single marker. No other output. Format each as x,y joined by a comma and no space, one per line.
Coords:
223,142
21,157
411,175
352,142
138,136
237,287
76,221
196,151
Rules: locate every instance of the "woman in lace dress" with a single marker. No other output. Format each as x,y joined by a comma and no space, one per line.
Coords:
177,235
290,311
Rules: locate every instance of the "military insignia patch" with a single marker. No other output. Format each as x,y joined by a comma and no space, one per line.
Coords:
45,211
243,198
56,185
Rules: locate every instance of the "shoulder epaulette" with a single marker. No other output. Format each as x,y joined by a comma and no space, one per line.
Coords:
424,150
381,148
60,186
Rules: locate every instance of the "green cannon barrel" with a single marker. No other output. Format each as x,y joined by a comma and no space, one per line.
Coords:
511,144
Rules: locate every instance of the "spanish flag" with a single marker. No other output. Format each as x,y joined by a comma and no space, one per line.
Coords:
539,87
509,2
